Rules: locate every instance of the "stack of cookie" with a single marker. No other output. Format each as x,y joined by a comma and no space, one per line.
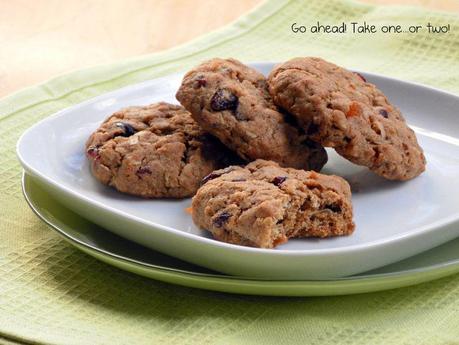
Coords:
232,115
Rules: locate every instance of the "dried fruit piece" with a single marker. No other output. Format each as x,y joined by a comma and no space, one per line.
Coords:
143,171
215,174
221,219
93,152
384,113
200,82
361,76
209,177
223,99
354,110
278,180
128,130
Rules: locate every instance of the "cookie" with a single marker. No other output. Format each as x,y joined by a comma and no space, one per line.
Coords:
339,109
154,151
232,102
263,205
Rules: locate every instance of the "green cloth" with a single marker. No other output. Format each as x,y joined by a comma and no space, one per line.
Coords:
52,293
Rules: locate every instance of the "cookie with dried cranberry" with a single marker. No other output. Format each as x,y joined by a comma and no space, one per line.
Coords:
263,205
339,109
154,151
232,102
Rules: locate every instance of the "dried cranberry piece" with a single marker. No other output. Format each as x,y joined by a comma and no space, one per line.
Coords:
361,76
221,219
200,82
224,99
93,152
128,130
209,177
278,180
143,171
216,174
384,113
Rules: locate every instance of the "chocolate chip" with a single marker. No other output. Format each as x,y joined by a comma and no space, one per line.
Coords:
361,76
223,99
128,130
93,152
221,219
384,113
143,171
333,207
278,180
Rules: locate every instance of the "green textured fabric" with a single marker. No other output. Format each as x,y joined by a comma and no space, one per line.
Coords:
52,293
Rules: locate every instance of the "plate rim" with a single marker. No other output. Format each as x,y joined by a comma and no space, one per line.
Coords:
404,236
366,278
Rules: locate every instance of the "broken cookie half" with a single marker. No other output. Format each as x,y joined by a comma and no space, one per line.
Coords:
263,205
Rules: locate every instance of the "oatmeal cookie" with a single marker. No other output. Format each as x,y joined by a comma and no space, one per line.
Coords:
340,109
263,205
154,151
232,102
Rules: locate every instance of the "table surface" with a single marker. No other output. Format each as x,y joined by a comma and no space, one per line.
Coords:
44,38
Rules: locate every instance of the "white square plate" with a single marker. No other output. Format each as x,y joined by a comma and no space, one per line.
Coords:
394,220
